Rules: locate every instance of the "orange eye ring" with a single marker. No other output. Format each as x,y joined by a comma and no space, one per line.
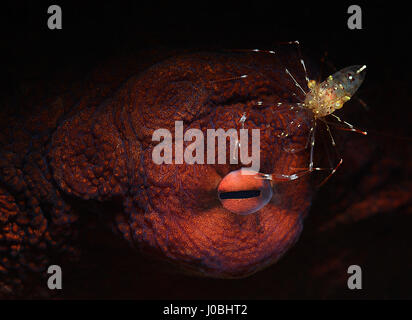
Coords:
241,193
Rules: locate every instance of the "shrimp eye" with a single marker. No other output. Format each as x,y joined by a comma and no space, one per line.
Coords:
241,191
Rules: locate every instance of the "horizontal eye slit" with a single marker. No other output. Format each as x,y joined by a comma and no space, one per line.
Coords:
244,194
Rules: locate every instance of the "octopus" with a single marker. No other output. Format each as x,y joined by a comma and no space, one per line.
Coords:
86,148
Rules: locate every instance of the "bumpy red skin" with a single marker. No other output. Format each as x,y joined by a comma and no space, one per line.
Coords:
93,143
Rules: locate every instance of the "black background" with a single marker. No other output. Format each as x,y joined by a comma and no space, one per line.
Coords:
95,31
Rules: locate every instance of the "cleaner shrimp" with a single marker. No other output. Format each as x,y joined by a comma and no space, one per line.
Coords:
321,101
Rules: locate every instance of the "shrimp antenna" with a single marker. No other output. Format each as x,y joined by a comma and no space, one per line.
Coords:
243,76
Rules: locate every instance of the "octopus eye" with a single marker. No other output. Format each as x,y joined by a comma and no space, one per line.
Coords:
242,193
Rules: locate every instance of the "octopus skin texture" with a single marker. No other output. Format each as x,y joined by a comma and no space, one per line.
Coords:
90,149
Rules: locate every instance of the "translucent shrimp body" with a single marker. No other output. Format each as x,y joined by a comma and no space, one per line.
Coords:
326,97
